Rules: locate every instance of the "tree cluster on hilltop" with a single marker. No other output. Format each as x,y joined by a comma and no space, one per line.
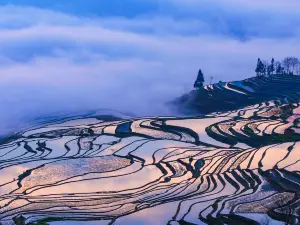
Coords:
290,65
200,80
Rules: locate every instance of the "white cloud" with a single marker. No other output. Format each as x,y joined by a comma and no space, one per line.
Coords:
52,62
243,5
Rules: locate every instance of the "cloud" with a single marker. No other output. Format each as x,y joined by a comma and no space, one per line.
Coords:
244,18
54,62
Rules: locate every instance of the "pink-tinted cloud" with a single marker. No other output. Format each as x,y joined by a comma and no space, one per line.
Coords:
54,62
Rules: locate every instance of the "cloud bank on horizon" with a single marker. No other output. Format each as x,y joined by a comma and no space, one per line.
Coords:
131,55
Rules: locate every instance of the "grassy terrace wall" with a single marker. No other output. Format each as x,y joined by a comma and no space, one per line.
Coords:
280,88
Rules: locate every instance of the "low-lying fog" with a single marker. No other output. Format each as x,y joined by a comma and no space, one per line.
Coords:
52,62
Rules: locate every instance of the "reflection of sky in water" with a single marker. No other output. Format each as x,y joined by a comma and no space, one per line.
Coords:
156,215
142,174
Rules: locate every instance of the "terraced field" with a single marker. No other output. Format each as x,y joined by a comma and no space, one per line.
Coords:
224,96
237,167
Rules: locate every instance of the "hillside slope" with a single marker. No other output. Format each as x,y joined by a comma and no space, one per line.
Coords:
224,96
239,167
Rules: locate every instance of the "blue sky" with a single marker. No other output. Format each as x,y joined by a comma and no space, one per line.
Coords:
125,8
130,55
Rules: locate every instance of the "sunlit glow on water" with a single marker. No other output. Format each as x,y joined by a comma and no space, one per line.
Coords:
218,168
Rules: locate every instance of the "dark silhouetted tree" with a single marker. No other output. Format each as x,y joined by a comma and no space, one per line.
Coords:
269,70
265,67
290,64
272,68
261,68
298,68
294,64
258,69
287,64
279,68
200,80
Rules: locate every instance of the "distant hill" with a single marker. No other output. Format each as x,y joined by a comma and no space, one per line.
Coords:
224,96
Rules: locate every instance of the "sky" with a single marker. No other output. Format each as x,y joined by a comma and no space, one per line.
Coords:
131,55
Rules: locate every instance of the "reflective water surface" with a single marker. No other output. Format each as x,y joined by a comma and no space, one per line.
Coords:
240,167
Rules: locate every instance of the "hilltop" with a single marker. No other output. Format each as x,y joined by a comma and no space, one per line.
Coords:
239,167
224,96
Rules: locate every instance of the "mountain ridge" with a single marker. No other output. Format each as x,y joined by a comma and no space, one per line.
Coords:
224,96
